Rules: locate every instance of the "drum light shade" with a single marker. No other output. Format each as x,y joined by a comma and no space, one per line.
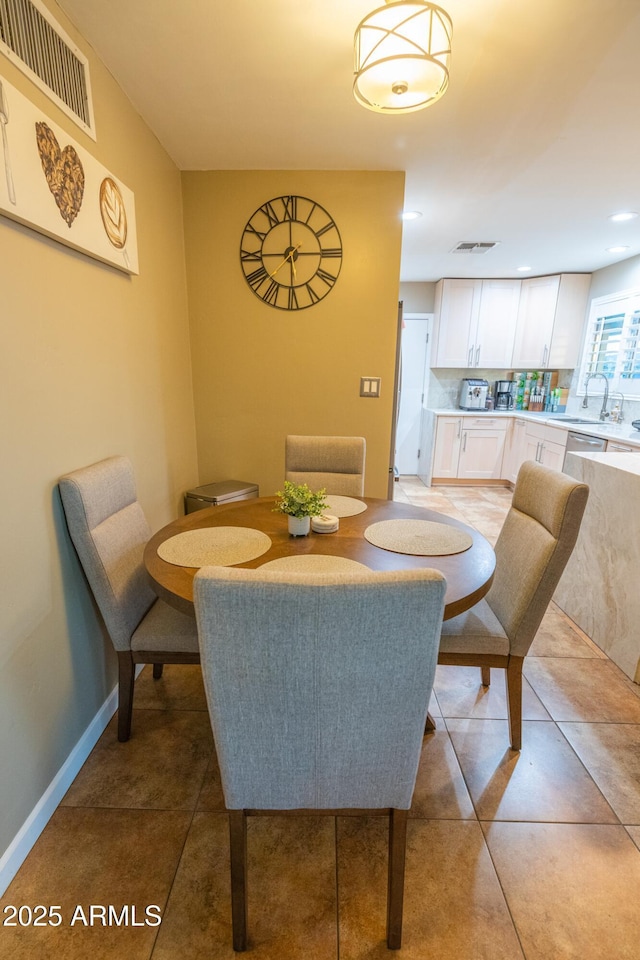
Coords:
402,53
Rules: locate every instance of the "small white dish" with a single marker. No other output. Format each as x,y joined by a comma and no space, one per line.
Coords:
326,523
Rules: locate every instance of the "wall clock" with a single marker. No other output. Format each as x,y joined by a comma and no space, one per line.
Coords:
291,253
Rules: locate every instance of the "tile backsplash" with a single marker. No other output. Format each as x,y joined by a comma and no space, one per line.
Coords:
443,388
630,408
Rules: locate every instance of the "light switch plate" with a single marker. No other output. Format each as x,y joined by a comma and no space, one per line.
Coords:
370,387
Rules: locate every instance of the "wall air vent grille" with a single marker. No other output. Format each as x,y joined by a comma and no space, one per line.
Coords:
33,40
473,246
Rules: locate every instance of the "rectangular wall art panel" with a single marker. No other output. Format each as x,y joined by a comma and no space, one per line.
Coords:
52,184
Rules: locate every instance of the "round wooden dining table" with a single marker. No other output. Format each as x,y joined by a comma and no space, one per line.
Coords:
468,573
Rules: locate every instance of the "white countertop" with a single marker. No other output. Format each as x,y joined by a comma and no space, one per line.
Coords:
622,432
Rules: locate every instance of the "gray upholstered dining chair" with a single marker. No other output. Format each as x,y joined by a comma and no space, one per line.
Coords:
318,687
109,531
534,544
335,463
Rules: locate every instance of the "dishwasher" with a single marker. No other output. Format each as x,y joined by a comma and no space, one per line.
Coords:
582,443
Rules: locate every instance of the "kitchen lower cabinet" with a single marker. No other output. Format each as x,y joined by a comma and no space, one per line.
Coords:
469,448
481,452
528,440
552,454
614,447
545,445
514,452
447,447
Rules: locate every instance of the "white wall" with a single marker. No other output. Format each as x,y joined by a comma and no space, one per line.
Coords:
624,275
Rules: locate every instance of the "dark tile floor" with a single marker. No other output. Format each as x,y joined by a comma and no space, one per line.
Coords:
532,855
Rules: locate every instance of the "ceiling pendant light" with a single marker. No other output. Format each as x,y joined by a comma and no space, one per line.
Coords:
402,53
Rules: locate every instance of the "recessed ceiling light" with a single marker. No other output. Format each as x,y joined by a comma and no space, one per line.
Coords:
623,215
411,214
523,269
616,249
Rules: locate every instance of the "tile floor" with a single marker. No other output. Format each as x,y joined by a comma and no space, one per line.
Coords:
510,856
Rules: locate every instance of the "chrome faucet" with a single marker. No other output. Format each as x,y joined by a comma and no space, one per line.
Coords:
585,403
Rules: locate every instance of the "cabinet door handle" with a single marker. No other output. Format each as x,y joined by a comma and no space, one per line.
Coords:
538,452
545,354
470,357
478,355
464,441
459,428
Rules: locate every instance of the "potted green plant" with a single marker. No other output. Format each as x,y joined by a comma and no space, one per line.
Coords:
300,503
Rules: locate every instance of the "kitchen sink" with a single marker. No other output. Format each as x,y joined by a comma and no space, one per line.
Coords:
564,419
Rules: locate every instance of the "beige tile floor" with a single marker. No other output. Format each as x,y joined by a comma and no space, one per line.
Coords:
510,856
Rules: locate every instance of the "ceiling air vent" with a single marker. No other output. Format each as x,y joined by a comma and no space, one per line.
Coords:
36,43
470,246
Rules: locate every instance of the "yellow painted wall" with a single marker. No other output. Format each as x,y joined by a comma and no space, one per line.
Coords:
92,363
261,373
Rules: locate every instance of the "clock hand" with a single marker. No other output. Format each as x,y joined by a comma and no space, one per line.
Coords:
289,257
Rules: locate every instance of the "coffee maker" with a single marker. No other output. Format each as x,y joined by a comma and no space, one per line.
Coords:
503,394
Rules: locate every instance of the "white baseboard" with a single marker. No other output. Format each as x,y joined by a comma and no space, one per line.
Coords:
18,850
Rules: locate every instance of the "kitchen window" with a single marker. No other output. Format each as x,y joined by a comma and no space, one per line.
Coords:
612,343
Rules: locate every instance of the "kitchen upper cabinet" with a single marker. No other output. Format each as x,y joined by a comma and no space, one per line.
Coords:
497,320
538,299
551,319
475,322
457,308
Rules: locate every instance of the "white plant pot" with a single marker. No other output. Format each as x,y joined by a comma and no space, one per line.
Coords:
299,526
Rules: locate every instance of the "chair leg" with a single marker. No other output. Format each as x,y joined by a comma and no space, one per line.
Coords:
514,700
430,724
485,673
157,670
238,849
126,677
395,883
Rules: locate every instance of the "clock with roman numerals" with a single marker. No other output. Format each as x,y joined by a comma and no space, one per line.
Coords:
291,253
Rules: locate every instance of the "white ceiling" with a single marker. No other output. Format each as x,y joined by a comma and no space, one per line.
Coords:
534,144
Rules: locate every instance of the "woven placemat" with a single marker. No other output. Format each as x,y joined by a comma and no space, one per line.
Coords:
314,563
422,538
345,506
220,546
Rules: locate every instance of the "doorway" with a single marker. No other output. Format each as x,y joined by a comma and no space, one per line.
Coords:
415,348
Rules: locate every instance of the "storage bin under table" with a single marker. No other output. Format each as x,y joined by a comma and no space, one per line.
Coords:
214,494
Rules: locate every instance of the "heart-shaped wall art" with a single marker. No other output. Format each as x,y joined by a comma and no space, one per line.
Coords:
63,171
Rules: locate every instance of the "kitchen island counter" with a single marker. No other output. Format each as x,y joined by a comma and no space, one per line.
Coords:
599,588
